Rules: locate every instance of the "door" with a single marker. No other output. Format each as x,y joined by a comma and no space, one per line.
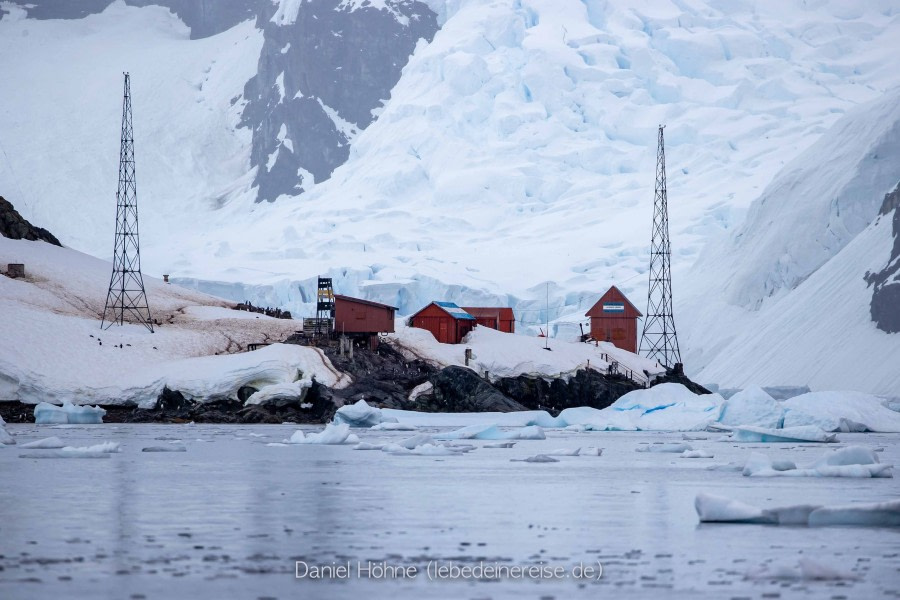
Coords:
443,337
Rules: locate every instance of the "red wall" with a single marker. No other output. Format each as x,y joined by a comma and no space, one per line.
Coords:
351,316
442,326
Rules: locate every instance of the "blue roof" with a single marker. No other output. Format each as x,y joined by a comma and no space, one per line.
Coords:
455,311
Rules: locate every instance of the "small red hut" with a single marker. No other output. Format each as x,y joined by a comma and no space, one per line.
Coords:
499,318
357,318
614,319
446,321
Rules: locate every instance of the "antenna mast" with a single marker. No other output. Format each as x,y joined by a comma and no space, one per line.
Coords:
126,295
659,340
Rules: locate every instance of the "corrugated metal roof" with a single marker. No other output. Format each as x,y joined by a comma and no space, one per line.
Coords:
455,311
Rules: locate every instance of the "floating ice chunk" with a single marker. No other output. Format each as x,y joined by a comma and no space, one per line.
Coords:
393,427
416,440
500,445
719,509
806,570
752,406
540,458
851,455
65,454
68,413
352,439
108,447
492,432
809,433
885,514
333,434
853,461
672,447
592,451
697,454
164,449
692,438
395,449
5,438
368,446
437,450
275,444
565,452
361,415
577,428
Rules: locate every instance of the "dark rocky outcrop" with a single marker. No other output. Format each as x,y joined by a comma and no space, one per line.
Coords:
681,378
585,388
14,227
458,389
885,304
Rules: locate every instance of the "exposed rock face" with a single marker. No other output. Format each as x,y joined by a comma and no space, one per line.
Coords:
320,75
458,389
885,305
13,226
586,388
325,66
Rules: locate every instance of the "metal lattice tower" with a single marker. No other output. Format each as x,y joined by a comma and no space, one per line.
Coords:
324,306
126,299
659,340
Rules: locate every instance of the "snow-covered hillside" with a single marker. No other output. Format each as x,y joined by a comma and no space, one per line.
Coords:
516,149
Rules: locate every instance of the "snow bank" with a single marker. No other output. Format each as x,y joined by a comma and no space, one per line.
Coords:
853,461
752,406
498,354
805,433
68,413
718,509
361,415
841,411
294,392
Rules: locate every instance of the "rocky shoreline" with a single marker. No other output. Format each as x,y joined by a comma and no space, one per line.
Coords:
385,379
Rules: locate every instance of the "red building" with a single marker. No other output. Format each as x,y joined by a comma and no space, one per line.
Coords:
500,318
614,319
446,321
356,317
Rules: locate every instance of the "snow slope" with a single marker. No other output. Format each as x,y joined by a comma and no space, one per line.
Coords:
54,350
791,281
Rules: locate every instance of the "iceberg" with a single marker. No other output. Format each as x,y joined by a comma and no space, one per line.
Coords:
754,407
416,440
807,433
361,415
68,413
333,434
718,509
50,443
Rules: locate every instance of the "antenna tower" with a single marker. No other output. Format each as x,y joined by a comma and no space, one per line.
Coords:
126,299
659,340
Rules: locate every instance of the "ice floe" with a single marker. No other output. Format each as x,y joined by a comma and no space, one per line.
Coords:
50,443
700,453
674,447
853,461
803,433
540,458
719,509
492,432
